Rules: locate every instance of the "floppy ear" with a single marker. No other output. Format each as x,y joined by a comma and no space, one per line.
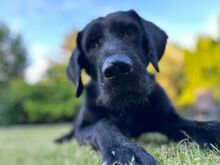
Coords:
75,66
157,40
154,40
74,71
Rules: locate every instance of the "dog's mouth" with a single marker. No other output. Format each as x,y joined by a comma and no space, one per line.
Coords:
124,91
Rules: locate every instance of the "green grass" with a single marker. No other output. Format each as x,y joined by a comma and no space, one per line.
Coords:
33,145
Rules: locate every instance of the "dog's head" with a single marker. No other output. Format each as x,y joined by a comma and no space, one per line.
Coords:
115,51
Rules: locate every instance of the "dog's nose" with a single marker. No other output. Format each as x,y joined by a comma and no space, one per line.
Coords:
116,65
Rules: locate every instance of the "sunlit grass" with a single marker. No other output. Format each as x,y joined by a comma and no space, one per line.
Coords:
33,145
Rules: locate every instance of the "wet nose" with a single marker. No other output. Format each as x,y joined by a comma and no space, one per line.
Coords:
116,65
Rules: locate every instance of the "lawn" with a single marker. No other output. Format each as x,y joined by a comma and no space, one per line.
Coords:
33,145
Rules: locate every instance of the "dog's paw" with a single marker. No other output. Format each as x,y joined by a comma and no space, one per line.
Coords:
213,133
207,134
64,138
128,154
59,140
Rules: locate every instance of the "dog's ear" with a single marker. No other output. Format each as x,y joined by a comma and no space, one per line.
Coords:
74,68
154,40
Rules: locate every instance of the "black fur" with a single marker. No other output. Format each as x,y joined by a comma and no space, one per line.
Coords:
130,104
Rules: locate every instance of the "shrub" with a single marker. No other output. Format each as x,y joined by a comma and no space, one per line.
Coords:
45,102
11,111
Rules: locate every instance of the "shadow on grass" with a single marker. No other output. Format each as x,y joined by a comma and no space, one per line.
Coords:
153,139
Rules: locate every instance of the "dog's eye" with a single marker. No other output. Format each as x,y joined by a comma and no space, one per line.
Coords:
92,45
94,42
130,30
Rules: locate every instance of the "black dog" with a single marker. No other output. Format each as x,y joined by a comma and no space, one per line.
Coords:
122,99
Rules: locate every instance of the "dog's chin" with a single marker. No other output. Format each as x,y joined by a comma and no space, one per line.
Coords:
124,95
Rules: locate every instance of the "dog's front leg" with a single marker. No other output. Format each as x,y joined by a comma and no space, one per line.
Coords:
204,133
114,146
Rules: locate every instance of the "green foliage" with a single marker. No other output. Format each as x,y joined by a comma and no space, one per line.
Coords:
10,110
12,55
12,65
51,100
201,70
171,76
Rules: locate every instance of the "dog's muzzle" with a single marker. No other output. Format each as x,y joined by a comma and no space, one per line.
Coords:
116,65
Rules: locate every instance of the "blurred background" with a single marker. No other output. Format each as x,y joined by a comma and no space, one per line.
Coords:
37,37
